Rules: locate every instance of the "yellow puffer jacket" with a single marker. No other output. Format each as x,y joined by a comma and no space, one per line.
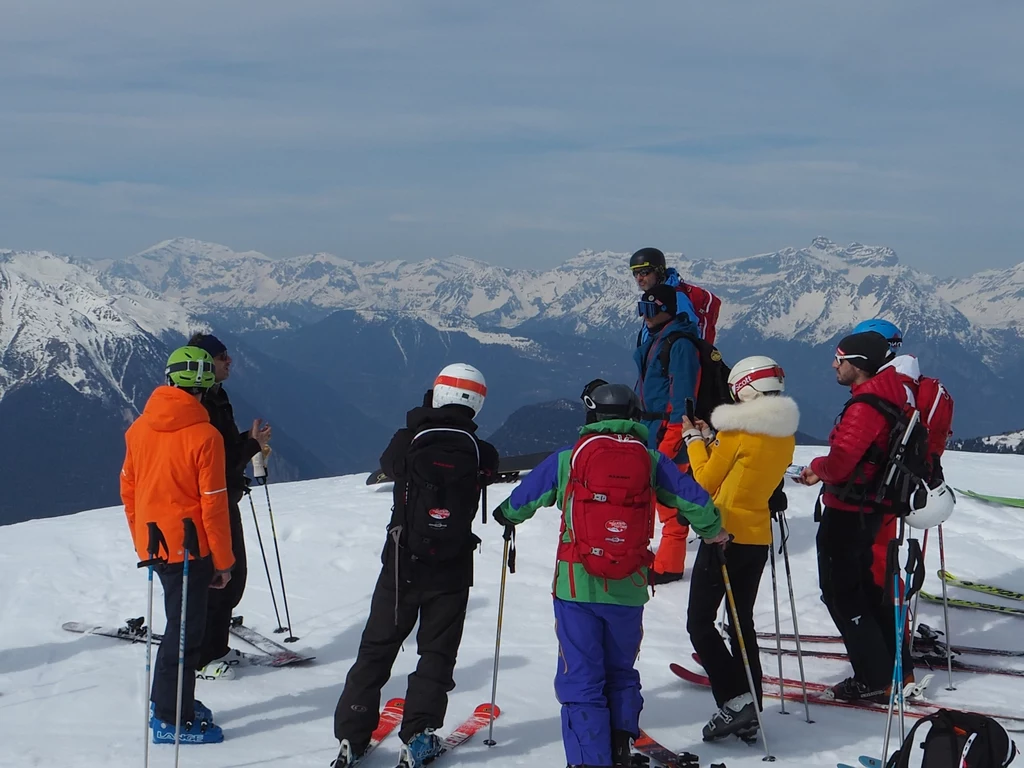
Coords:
745,464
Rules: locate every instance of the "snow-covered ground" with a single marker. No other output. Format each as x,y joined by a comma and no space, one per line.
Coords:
73,700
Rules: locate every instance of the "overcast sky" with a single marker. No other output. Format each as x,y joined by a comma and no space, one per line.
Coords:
516,132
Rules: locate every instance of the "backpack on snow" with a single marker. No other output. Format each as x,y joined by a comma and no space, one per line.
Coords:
442,493
707,306
904,467
611,502
936,407
951,739
712,378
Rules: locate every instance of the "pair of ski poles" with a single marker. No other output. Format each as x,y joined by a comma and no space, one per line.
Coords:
259,471
191,548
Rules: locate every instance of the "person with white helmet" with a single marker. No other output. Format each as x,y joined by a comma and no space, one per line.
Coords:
439,466
741,468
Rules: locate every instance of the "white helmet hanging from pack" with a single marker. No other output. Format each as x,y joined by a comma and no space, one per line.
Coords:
754,376
931,506
460,384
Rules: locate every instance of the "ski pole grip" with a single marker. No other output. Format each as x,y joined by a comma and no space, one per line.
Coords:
191,540
156,540
259,465
915,567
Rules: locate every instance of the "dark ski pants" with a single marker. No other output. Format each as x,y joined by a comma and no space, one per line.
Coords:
164,693
221,602
441,616
857,591
597,682
724,666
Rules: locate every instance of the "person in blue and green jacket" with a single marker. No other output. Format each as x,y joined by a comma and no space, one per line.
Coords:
599,621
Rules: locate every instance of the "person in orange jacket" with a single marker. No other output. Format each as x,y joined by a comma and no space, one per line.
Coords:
174,470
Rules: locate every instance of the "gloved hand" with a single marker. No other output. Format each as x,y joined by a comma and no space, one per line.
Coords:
220,579
499,518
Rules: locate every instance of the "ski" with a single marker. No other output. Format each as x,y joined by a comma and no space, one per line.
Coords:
1005,501
664,756
389,719
988,589
480,719
265,644
924,661
957,603
926,642
915,708
136,633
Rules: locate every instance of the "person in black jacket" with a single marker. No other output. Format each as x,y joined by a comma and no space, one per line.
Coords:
216,658
427,567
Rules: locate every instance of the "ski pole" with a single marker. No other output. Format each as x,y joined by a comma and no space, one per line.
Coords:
191,545
266,565
945,611
784,532
917,598
778,627
508,535
156,540
260,473
738,629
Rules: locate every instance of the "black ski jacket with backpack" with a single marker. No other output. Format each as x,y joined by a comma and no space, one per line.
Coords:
450,573
239,447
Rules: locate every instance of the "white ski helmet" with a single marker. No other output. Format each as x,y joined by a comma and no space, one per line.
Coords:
936,506
754,376
460,384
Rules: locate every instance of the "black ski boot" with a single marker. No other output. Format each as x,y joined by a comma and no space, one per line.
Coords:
736,715
622,752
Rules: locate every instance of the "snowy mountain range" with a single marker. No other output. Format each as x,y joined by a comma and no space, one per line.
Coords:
329,348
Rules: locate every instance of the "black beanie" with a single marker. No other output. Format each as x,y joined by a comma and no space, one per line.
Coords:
662,294
868,351
211,344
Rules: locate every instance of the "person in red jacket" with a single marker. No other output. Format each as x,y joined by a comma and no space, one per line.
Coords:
854,533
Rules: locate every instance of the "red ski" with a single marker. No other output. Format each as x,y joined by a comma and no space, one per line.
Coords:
390,717
929,662
481,718
645,745
914,708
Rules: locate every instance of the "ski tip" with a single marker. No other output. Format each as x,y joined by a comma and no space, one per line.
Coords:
870,762
488,710
395,704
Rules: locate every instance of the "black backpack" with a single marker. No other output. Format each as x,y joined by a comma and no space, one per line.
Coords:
713,379
442,493
951,739
904,466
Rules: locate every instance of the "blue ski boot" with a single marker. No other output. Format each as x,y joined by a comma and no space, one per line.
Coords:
421,749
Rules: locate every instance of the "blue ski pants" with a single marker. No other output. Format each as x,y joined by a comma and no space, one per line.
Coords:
597,683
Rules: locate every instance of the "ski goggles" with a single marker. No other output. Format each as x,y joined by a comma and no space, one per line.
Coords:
841,358
642,271
650,308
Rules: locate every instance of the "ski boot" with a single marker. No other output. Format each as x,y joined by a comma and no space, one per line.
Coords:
421,749
622,752
852,689
216,670
194,732
346,758
200,712
737,714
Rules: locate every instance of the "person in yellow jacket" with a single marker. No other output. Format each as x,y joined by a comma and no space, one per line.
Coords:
174,470
741,468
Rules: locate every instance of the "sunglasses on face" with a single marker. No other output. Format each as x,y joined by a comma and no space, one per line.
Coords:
840,359
642,271
649,308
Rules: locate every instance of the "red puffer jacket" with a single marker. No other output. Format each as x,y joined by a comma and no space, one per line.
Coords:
860,427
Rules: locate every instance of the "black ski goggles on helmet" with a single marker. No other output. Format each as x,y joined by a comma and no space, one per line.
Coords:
650,308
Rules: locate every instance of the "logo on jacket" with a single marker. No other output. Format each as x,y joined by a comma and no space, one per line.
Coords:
439,514
616,526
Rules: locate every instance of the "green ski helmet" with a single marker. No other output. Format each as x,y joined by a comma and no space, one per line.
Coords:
190,368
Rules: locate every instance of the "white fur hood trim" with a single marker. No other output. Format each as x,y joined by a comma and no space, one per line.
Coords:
775,416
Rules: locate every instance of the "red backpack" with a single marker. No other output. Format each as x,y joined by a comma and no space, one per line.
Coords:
612,503
936,407
707,306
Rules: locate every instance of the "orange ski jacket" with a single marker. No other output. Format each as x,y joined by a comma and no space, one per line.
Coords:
173,469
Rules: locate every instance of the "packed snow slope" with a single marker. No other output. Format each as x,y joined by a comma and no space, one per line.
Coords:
76,700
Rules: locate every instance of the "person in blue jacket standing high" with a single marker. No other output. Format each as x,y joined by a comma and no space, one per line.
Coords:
663,390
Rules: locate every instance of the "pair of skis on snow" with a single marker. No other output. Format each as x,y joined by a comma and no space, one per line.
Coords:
391,717
273,653
817,693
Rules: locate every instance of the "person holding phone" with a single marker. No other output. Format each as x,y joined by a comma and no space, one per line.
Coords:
741,467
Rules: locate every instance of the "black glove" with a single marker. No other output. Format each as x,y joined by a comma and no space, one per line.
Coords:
499,518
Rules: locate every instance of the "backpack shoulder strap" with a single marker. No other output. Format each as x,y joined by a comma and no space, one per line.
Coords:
455,430
891,412
666,348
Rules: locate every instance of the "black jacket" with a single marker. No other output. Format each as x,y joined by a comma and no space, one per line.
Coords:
239,448
453,574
